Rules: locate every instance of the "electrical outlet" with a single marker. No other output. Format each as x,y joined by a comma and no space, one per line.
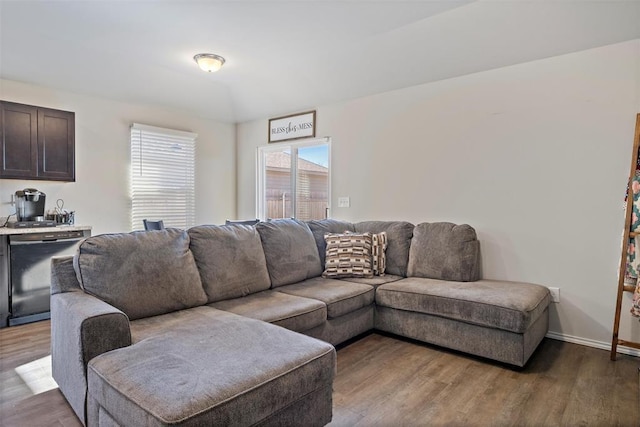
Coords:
555,294
344,202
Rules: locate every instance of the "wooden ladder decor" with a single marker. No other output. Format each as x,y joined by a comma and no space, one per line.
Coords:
628,235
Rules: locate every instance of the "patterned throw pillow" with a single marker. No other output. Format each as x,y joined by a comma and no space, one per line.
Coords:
378,257
348,255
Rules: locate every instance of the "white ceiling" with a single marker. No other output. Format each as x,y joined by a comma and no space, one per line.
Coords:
286,56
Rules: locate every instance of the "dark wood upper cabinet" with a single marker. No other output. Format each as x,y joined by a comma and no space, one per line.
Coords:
56,144
37,143
19,131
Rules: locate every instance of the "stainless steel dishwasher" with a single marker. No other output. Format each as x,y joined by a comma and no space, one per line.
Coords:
29,275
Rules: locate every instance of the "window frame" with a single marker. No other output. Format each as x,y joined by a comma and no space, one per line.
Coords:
293,146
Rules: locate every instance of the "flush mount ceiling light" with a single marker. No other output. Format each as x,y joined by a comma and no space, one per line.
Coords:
209,62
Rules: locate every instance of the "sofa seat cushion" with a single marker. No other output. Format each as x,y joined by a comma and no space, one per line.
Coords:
399,235
144,273
154,326
375,281
222,370
340,297
230,260
509,306
289,311
290,251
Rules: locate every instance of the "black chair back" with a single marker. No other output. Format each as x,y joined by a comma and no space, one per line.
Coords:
242,222
153,225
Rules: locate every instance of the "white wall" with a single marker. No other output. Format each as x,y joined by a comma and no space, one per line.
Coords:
100,195
534,156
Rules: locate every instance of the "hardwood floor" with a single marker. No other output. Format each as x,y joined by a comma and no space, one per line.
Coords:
19,406
384,380
415,384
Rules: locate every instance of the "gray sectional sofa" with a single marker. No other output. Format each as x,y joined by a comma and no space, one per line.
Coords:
235,325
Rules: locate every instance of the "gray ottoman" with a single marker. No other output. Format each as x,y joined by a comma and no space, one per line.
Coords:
231,371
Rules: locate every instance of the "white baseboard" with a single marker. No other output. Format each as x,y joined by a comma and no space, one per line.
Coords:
592,343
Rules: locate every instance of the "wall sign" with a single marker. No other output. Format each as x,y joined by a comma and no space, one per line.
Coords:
295,126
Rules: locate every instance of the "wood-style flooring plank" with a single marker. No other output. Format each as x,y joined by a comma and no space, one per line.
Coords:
384,380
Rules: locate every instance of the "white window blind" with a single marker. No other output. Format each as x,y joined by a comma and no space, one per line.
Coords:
162,176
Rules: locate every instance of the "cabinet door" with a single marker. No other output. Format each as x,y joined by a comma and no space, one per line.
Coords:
18,130
56,145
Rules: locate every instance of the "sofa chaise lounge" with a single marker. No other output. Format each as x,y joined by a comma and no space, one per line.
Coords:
235,325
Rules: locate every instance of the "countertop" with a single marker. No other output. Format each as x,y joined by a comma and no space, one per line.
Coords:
8,231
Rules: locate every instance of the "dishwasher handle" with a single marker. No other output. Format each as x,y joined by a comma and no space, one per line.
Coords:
21,239
40,242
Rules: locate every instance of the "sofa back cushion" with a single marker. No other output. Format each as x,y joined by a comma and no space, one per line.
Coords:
445,251
399,235
230,260
290,251
144,273
320,227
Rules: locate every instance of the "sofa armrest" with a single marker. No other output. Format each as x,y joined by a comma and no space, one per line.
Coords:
63,275
82,327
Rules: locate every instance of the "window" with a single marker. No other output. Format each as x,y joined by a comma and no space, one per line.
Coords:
294,180
162,176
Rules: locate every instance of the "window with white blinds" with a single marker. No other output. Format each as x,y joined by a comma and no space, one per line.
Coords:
162,176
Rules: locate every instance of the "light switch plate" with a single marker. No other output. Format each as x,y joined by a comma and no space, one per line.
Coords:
555,294
344,202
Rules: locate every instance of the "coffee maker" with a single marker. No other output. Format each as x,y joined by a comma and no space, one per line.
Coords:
30,209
